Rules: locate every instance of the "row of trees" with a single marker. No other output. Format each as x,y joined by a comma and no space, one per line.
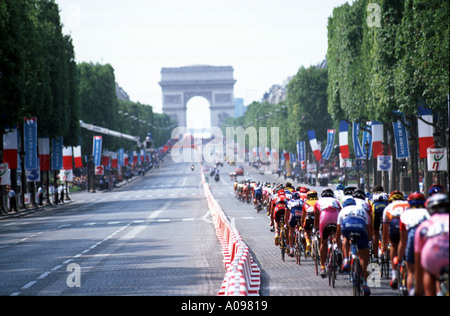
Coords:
383,56
40,77
100,106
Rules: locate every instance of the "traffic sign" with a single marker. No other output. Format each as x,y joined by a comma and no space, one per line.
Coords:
99,170
384,163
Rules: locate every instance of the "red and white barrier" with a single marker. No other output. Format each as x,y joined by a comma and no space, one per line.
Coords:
243,276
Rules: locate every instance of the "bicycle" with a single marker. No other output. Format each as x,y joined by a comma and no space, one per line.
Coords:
356,277
332,257
315,250
299,247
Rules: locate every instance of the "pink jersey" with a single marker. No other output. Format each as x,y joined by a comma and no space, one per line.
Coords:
431,239
329,210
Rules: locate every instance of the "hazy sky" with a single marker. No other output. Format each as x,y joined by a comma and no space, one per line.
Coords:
265,41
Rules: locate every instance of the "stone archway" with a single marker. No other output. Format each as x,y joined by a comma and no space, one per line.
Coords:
214,83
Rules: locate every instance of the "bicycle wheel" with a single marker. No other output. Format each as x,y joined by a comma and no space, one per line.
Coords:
316,254
298,249
356,277
402,279
332,267
282,245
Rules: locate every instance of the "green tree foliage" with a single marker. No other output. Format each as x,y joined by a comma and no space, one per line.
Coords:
307,99
37,66
375,70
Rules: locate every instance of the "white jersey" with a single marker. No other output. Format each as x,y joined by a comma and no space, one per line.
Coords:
353,212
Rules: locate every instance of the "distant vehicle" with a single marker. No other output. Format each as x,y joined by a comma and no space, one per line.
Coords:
239,171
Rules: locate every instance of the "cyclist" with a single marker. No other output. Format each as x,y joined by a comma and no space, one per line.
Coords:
353,219
303,192
326,211
431,242
289,187
360,199
347,193
257,198
308,217
279,207
391,230
295,206
379,202
409,221
436,188
339,193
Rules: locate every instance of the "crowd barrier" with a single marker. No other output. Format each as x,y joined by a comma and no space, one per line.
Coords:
243,276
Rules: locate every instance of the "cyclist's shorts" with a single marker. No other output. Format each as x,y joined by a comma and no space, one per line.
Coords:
327,217
309,223
279,211
435,254
394,230
409,250
356,225
296,213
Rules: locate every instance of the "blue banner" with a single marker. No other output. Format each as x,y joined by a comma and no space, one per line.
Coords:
401,138
57,156
330,142
97,150
30,142
301,151
121,157
356,144
367,138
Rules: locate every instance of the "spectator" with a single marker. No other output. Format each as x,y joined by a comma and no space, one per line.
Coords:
12,199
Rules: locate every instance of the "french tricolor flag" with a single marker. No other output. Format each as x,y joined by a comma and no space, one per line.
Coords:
67,158
44,153
77,157
10,145
314,145
114,160
425,131
377,139
343,139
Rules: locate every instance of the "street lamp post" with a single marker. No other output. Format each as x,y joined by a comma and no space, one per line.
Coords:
366,148
23,178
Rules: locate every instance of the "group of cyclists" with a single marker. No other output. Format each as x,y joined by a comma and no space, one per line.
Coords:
408,231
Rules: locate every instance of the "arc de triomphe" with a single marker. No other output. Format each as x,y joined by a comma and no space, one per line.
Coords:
214,83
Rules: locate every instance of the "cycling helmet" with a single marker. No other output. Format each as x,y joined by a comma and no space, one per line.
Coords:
381,197
435,188
349,201
348,190
327,193
312,195
340,186
304,190
396,195
281,192
416,199
359,194
295,196
438,203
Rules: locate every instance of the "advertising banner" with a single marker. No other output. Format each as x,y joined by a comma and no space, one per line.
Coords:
30,142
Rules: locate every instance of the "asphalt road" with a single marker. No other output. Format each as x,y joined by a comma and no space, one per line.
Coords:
153,236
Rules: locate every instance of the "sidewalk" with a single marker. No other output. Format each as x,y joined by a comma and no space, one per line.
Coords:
30,209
